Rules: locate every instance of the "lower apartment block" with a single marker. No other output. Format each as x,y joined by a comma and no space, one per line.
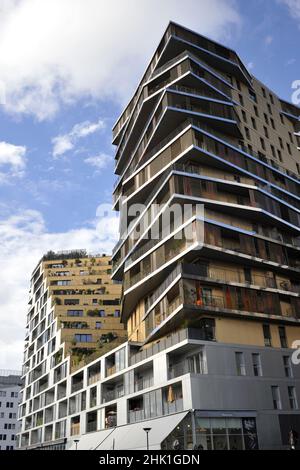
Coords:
172,388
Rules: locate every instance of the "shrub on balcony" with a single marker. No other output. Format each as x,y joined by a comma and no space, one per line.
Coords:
107,338
93,313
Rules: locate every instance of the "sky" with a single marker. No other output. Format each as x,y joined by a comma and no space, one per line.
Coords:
67,67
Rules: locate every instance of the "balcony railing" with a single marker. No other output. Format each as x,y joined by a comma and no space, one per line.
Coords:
91,427
162,288
183,368
173,407
135,416
142,384
112,395
94,378
165,343
164,253
76,387
248,301
75,429
111,371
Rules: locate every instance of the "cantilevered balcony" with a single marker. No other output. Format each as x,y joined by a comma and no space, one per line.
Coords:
157,253
196,298
188,75
175,107
179,39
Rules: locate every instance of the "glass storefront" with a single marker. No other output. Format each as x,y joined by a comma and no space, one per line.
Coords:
198,433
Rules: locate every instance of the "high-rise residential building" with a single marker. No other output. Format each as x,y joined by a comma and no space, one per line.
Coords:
210,293
201,130
10,385
73,318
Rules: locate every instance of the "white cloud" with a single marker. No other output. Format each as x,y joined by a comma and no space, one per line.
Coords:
250,66
99,161
268,40
12,155
56,51
12,161
293,6
291,62
23,240
66,142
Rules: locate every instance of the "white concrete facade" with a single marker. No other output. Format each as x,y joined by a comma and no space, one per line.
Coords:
164,382
10,385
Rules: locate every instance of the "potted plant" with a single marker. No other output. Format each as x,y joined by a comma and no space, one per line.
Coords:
57,301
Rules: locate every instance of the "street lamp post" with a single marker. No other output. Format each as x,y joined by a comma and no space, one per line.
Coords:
76,443
147,430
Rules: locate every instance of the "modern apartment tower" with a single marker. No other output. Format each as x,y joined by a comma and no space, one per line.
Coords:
10,385
201,130
73,318
210,294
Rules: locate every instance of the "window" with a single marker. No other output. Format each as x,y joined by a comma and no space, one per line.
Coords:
75,313
282,336
238,84
287,366
264,92
244,116
267,335
276,398
241,100
256,111
271,99
9,404
240,363
282,119
262,143
266,118
281,143
2,437
71,302
291,137
293,398
289,148
253,123
9,426
270,109
12,416
247,133
63,283
256,361
98,325
279,155
2,394
252,95
266,132
83,338
197,363
273,124
273,151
